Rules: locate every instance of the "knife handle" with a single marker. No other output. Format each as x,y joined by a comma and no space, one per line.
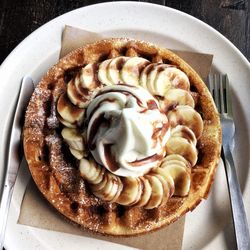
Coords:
4,210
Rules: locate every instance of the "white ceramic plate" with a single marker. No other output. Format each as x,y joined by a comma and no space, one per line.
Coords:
209,225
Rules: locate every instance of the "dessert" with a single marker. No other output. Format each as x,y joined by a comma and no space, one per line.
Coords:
122,137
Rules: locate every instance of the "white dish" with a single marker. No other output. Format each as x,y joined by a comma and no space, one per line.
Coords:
206,227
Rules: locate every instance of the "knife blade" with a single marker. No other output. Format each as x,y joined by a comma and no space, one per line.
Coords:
14,159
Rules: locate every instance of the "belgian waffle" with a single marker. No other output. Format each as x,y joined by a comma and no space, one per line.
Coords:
55,170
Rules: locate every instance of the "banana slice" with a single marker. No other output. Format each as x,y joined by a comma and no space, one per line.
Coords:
130,72
102,72
131,192
184,132
115,191
77,153
187,116
157,192
65,123
105,191
73,138
181,176
176,157
146,193
99,177
69,113
166,189
118,191
162,82
114,67
168,178
181,146
75,97
144,75
164,163
89,170
151,80
97,187
87,79
175,97
111,190
182,163
94,172
77,82
154,86
176,77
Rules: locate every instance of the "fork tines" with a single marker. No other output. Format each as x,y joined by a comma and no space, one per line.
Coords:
219,88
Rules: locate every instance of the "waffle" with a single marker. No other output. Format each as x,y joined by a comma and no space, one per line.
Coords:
55,170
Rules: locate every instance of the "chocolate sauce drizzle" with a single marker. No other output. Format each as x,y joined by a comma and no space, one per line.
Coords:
102,121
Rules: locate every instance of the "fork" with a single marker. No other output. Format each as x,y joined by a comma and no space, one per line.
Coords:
219,88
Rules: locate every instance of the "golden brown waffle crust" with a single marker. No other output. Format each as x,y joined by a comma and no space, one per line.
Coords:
78,205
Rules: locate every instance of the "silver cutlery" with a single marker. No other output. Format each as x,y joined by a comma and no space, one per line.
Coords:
14,158
220,90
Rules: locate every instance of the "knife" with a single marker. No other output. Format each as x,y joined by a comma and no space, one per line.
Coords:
14,158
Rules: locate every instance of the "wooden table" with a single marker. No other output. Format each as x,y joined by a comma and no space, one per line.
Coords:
19,18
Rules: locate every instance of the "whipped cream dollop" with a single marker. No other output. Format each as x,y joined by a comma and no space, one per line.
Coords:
126,131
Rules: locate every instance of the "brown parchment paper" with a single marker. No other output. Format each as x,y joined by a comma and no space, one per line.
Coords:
37,212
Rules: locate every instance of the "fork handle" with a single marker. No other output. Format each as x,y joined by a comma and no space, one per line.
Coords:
238,210
4,209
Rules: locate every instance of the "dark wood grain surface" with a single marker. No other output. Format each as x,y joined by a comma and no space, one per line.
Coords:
18,18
